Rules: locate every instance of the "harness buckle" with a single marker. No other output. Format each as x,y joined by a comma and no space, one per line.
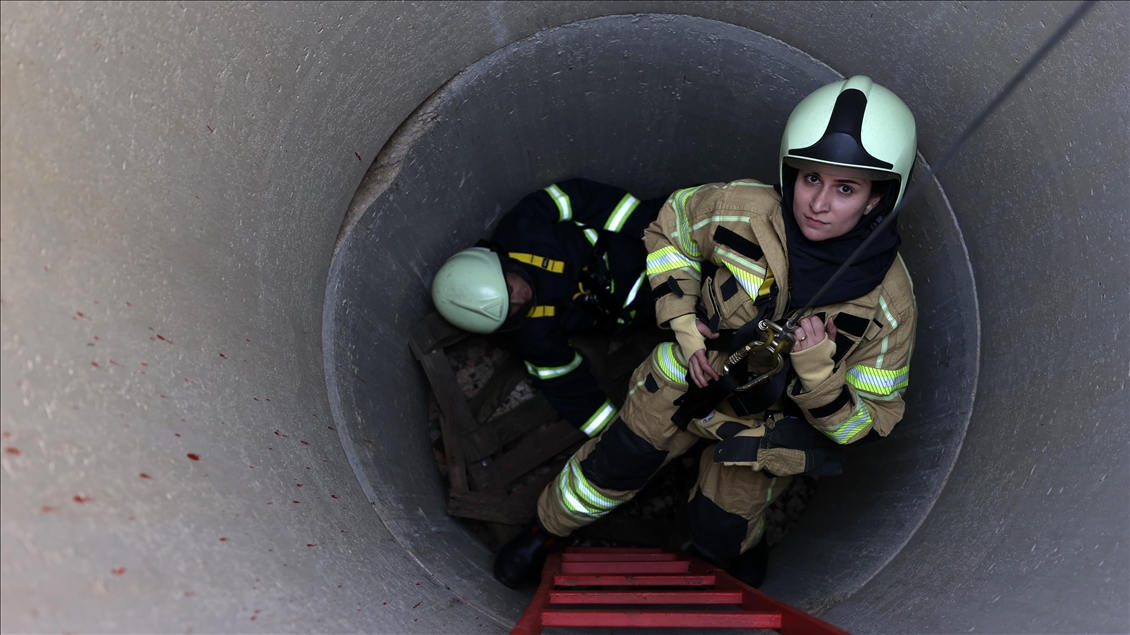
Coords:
778,343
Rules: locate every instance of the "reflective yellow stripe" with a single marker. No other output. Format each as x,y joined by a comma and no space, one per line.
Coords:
542,310
599,419
750,282
579,496
562,200
621,213
843,432
669,362
554,266
668,259
679,204
877,380
553,372
767,285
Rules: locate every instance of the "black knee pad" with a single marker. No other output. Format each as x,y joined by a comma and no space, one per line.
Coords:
622,459
715,531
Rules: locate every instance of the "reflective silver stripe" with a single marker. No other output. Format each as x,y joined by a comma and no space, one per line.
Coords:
591,235
599,419
635,290
668,360
887,311
562,200
843,432
578,496
620,215
877,380
553,372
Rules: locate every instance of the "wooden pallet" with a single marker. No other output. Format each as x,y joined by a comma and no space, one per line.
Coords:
489,458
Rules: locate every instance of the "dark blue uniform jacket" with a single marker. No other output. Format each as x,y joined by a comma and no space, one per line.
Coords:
573,222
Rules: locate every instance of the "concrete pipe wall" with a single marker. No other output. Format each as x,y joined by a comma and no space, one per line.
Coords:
210,420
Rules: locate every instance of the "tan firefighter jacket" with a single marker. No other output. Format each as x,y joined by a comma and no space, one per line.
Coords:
738,226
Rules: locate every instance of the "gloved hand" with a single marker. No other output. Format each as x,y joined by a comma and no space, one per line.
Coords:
812,354
791,446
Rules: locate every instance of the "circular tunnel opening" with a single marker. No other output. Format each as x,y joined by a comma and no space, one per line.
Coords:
650,103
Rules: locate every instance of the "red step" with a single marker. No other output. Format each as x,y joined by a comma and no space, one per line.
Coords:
574,591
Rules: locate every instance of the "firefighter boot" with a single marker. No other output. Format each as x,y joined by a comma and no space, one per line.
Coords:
750,566
522,557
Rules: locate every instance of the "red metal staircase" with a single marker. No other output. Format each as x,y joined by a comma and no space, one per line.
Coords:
635,588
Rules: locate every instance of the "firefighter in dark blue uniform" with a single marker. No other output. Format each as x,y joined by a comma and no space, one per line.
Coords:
567,259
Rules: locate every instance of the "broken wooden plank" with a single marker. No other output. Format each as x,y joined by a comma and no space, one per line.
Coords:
506,376
492,507
432,333
537,448
456,414
491,436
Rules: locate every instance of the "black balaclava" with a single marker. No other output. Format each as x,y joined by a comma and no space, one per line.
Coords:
811,264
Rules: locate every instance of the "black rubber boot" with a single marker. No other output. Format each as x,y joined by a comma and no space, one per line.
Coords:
522,557
750,566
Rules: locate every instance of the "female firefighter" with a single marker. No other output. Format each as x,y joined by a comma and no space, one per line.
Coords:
845,158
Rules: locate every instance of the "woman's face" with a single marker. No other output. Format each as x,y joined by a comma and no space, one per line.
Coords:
830,205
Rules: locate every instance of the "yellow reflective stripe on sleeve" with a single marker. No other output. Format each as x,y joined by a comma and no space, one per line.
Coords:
599,419
669,362
541,262
843,432
542,310
579,496
669,259
634,290
679,204
750,282
887,312
877,380
553,372
562,199
621,213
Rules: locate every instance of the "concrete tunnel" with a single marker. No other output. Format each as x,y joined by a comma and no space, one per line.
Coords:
219,222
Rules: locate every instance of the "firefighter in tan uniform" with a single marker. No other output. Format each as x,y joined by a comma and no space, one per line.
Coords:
846,155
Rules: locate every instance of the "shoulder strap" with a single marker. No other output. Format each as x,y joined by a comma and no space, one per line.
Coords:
552,266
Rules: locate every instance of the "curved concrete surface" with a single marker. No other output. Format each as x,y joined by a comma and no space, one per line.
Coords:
175,180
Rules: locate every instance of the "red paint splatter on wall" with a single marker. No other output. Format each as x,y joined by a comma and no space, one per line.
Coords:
82,499
223,539
47,509
145,476
333,495
177,434
118,571
311,544
12,451
331,428
357,155
95,364
194,457
304,443
298,484
224,356
296,502
209,128
6,435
